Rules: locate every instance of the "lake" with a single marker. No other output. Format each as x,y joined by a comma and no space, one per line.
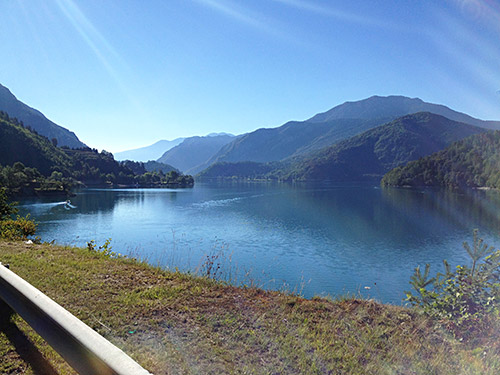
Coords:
309,238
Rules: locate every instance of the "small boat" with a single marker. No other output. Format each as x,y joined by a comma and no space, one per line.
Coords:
68,205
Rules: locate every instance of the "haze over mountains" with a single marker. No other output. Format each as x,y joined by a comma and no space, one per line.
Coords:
375,152
193,152
368,155
354,140
322,147
31,164
386,107
298,138
152,152
324,129
36,120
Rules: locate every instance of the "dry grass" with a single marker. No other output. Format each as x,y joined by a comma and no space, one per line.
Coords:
174,323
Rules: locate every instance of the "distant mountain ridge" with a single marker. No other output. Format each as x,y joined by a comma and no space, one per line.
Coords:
338,142
36,120
190,155
378,150
396,106
296,138
152,152
368,155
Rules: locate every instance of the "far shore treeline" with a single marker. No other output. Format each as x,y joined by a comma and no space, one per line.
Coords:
31,164
410,142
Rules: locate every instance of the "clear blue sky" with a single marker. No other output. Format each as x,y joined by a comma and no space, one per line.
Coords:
123,74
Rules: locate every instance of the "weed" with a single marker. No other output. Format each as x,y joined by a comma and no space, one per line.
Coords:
211,268
103,250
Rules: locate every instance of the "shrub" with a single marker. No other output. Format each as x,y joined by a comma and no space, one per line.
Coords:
466,298
104,250
13,229
6,209
17,229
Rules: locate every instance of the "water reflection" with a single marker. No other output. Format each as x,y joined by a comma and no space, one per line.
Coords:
466,210
338,238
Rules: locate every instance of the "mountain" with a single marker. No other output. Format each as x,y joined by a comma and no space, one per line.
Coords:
218,134
194,151
36,120
396,106
292,138
273,144
376,151
18,144
341,122
471,162
31,164
152,152
365,156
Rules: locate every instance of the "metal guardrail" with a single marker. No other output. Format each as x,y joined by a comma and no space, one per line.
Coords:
84,349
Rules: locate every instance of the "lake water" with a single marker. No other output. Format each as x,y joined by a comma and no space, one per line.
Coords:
314,239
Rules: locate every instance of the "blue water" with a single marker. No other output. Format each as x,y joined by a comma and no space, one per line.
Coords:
313,239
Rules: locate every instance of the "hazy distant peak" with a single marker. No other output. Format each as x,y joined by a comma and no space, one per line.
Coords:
220,134
389,107
195,151
151,152
161,141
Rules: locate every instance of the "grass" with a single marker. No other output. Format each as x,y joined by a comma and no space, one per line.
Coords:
174,323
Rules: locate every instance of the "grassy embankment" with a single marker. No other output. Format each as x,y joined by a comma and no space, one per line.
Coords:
174,323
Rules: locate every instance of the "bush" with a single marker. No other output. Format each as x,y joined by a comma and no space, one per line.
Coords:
17,229
13,229
465,299
6,209
104,250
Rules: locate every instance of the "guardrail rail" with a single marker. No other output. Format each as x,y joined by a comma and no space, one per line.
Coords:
83,348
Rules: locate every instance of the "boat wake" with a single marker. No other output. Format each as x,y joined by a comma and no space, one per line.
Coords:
216,202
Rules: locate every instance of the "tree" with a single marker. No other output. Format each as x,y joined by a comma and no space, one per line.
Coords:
56,176
6,209
467,298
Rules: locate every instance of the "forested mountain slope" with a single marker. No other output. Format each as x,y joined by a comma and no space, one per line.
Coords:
18,144
376,151
30,163
365,156
471,162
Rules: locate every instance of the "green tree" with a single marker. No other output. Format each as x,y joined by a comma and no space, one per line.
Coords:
6,209
467,298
